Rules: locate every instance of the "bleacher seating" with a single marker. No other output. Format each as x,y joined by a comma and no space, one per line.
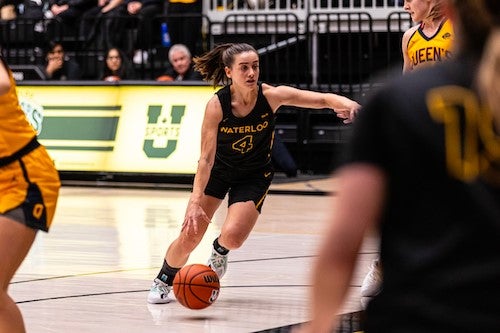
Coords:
325,45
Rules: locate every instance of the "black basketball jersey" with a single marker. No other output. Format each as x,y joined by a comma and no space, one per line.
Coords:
440,227
245,142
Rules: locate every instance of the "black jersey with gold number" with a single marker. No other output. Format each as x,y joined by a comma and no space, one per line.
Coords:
440,227
245,142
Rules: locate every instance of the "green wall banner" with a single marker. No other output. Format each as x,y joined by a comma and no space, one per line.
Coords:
136,129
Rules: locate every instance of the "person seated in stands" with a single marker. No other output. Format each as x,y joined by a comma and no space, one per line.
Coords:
8,9
68,13
117,66
180,65
147,32
33,9
185,23
59,66
30,24
99,24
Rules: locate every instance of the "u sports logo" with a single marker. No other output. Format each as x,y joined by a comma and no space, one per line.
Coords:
33,112
162,130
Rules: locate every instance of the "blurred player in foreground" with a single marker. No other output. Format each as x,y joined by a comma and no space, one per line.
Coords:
427,43
425,153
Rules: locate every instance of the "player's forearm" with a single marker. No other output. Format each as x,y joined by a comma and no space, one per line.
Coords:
335,101
200,180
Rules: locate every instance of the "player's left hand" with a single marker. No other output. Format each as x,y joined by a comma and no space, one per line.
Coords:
348,112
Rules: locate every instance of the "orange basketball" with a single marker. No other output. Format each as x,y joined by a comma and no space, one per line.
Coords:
196,286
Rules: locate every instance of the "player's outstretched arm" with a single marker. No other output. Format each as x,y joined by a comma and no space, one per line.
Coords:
344,107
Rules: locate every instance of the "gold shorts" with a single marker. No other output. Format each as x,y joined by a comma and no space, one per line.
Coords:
32,184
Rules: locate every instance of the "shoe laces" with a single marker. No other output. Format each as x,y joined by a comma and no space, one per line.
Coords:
161,287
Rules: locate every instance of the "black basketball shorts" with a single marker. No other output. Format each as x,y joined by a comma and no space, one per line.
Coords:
240,185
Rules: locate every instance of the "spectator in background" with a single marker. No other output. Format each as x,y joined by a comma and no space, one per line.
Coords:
148,29
184,23
59,66
180,65
98,24
117,66
33,9
69,13
32,13
8,9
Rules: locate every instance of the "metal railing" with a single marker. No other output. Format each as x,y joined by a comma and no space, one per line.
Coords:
338,52
218,10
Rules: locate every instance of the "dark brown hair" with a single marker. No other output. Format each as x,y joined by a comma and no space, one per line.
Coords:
211,64
477,19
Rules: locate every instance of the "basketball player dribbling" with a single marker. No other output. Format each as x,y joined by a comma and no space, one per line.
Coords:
237,138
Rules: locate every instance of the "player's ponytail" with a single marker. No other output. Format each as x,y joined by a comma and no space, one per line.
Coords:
211,65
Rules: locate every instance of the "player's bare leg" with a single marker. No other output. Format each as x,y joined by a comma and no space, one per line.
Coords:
15,241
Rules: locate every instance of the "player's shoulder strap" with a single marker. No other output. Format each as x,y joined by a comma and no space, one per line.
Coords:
262,102
224,95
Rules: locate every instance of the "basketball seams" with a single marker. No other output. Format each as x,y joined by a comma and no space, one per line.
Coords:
196,284
196,295
181,283
191,284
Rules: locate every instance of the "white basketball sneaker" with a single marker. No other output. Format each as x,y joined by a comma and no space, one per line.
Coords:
218,263
372,283
159,293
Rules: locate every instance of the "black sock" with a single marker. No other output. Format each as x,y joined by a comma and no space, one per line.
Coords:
219,248
167,273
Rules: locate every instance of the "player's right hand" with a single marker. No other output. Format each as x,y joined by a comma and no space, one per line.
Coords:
194,215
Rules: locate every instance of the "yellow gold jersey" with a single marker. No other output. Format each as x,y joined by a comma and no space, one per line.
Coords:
29,182
423,50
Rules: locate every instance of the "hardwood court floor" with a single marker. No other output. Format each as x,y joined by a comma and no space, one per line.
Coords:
92,272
